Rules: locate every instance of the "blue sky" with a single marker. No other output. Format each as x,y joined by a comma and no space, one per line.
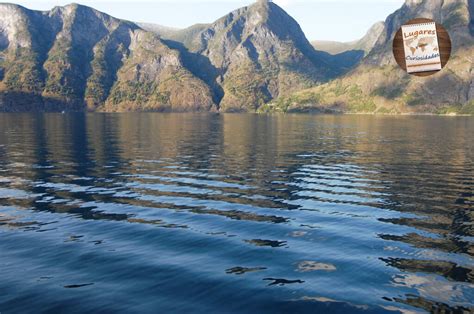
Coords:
341,20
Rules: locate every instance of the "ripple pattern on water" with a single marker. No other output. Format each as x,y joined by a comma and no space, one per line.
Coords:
237,212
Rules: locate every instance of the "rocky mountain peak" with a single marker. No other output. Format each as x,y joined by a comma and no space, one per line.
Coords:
454,15
12,27
278,21
250,56
75,57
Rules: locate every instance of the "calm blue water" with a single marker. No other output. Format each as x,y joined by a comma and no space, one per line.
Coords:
236,213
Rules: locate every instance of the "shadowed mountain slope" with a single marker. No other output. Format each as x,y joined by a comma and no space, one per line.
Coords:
75,57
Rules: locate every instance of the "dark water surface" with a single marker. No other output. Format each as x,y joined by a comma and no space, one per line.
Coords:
236,213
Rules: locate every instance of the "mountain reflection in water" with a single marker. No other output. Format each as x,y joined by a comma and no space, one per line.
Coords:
236,213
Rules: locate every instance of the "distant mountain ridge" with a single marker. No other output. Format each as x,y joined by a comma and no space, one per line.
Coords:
366,43
255,58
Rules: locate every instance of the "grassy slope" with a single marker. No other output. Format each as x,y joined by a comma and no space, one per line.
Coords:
389,89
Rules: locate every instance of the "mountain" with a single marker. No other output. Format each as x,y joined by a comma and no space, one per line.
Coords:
365,44
378,85
74,57
253,55
255,58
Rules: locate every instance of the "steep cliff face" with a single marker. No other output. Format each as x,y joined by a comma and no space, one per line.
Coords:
74,57
72,67
20,51
253,55
379,85
153,78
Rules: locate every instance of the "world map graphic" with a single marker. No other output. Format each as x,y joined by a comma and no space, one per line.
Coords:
423,43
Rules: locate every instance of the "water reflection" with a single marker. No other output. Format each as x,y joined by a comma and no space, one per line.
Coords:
281,282
146,207
243,270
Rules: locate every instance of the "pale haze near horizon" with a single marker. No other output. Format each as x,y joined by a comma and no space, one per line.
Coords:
337,20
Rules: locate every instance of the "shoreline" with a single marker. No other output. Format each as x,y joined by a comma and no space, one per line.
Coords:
251,113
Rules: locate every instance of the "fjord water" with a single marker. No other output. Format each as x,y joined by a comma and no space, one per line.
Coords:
235,213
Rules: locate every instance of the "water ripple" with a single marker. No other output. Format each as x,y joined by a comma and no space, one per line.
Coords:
264,213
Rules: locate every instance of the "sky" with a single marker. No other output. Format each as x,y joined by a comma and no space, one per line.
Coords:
339,20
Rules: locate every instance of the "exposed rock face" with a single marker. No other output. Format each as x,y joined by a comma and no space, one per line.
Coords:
379,85
254,59
153,78
74,57
368,42
255,54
